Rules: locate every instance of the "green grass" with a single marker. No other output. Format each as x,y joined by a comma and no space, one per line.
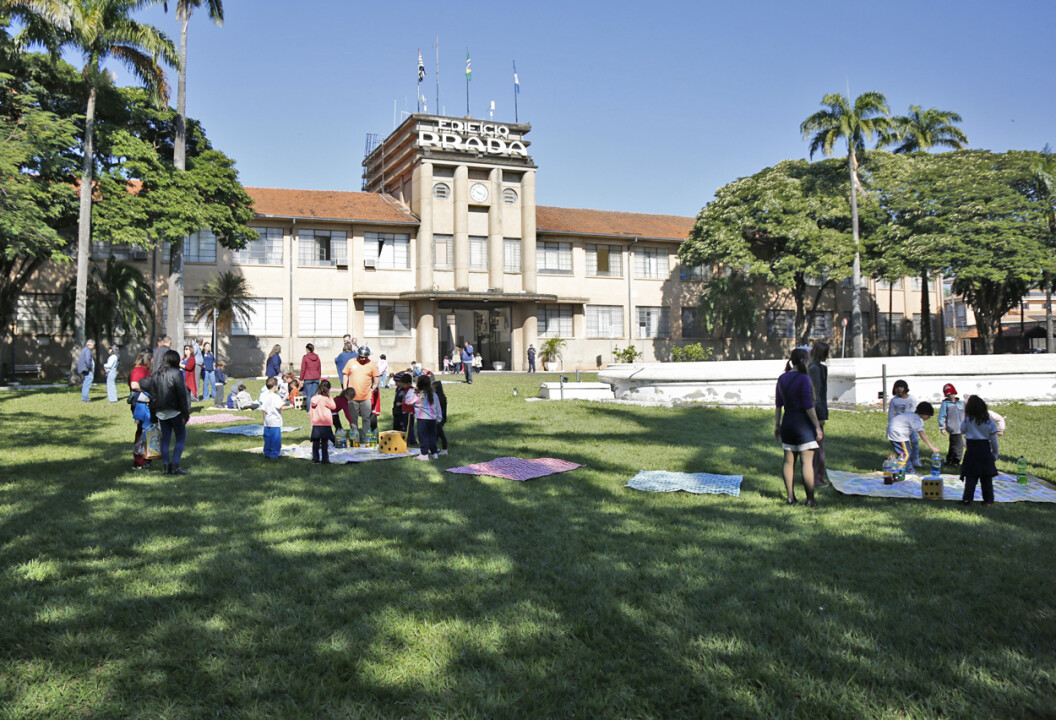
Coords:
252,589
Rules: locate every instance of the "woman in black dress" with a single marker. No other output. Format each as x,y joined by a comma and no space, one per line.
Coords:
798,427
819,379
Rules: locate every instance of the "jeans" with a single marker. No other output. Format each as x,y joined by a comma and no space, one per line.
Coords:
469,371
272,442
86,385
111,385
168,429
311,387
383,381
208,381
427,436
360,409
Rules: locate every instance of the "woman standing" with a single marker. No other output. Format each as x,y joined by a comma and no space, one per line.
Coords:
140,371
189,374
799,429
208,371
819,379
110,366
311,373
170,403
273,367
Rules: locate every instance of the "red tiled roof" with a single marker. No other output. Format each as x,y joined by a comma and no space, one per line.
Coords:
609,222
329,205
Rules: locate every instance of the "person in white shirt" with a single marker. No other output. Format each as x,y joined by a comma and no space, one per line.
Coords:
271,406
904,430
901,400
980,435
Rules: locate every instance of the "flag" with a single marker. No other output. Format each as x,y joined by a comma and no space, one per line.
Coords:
469,69
516,82
421,67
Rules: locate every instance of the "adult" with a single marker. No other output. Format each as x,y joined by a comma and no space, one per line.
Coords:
819,380
110,368
208,372
164,345
456,360
86,368
190,376
311,374
170,404
361,376
348,352
531,358
799,429
273,367
199,360
139,380
467,361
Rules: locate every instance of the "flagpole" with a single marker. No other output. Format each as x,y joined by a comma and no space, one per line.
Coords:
437,74
516,91
469,74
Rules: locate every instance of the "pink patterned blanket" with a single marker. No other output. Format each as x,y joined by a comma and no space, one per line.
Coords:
513,468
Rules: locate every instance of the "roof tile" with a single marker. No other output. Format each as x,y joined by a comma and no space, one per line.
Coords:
610,222
329,205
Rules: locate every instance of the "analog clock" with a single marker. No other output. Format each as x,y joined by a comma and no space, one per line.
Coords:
479,192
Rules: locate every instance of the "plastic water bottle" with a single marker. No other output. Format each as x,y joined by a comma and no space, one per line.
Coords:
889,469
902,462
936,465
1021,470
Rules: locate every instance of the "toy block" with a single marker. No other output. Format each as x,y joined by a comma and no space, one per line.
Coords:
931,488
392,442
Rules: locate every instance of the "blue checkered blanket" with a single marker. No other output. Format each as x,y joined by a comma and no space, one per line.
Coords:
251,430
699,483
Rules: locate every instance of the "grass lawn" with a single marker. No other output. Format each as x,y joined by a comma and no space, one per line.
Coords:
256,589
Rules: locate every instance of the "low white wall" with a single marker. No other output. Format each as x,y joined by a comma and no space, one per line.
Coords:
997,378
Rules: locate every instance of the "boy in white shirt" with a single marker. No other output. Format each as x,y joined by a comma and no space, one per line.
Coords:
271,406
904,429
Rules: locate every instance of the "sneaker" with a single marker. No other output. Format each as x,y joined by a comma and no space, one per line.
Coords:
423,457
177,470
443,452
811,503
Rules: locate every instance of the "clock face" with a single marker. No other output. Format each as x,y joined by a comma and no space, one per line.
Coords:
479,192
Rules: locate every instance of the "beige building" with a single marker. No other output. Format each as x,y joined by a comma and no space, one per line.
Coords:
446,244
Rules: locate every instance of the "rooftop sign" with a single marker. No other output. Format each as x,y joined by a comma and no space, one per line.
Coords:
471,136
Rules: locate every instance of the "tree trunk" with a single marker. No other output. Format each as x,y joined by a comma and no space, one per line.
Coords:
84,220
926,346
1050,346
858,342
174,317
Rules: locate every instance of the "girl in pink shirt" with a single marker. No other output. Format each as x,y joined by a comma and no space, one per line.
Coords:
321,415
426,416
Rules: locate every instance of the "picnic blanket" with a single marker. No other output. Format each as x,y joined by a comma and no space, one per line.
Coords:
224,418
513,468
303,451
251,430
1006,489
699,483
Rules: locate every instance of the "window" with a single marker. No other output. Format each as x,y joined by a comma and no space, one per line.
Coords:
823,325
885,285
322,317
38,314
894,320
691,325
443,248
478,252
698,273
509,196
511,255
654,322
322,248
118,251
604,321
554,258
917,332
604,260
265,319
190,327
266,250
386,317
780,324
199,247
555,321
441,191
650,263
814,280
392,252
444,171
915,284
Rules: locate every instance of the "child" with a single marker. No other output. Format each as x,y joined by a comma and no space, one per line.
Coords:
321,413
271,407
220,378
951,415
400,419
441,435
383,372
426,416
904,429
243,400
447,365
901,401
341,406
980,432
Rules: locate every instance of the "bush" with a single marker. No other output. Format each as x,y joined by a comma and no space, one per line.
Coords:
627,355
692,353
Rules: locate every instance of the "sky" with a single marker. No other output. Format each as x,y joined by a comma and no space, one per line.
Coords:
635,106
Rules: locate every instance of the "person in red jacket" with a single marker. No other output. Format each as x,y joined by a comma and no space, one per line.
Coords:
311,372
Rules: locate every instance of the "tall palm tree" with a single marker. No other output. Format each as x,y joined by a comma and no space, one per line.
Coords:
855,124
925,129
228,295
101,30
179,155
1044,169
119,301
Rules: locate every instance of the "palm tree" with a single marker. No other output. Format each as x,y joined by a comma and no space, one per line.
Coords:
119,301
100,30
923,130
179,155
855,124
1044,169
226,294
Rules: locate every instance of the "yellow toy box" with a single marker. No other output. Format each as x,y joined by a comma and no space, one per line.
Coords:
392,442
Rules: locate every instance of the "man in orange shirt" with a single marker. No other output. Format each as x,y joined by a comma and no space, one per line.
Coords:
360,374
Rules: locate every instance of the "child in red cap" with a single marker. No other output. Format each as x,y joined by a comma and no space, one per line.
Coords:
951,416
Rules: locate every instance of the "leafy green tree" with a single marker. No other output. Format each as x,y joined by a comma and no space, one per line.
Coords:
728,305
856,123
925,129
184,8
1044,169
227,294
101,30
119,302
785,225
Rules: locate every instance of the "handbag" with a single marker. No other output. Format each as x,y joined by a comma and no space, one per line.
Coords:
152,442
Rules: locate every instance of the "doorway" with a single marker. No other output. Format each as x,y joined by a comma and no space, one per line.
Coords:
487,326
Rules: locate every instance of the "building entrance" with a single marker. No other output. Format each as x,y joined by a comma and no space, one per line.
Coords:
487,326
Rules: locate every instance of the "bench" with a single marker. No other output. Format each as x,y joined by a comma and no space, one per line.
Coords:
33,369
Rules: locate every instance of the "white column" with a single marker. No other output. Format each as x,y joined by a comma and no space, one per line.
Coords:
461,227
425,227
528,232
495,249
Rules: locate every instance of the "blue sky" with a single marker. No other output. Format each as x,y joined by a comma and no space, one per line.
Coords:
640,107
